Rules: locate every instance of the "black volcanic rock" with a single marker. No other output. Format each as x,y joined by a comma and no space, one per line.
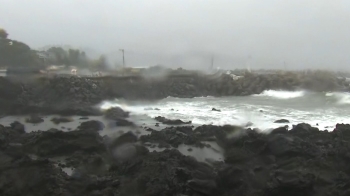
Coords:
58,120
170,121
91,125
35,119
282,121
18,127
57,143
216,110
116,113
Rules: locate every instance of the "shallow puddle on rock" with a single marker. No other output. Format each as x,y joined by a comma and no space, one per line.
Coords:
200,154
68,170
110,128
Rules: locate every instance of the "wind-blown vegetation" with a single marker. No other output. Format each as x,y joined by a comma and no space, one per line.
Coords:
18,54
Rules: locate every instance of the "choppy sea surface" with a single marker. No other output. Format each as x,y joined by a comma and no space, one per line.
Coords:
322,110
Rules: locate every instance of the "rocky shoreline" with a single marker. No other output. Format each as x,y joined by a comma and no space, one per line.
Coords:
71,95
301,161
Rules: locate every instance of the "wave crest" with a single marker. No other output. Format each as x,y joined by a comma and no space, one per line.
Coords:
279,94
341,97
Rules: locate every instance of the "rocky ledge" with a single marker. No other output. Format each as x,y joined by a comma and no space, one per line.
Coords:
302,161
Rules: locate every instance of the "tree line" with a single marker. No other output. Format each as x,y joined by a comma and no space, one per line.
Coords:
17,54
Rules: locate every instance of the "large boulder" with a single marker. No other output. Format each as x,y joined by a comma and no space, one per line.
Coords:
116,113
124,123
91,125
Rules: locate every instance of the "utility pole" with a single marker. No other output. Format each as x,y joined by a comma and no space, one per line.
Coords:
212,62
122,50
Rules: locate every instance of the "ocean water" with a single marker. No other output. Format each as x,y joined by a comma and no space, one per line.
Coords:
322,110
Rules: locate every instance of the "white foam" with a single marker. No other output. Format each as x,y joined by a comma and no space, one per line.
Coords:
282,94
236,111
341,97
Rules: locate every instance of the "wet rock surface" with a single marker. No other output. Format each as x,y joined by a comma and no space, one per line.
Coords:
302,161
124,123
215,110
58,120
115,113
35,119
171,121
282,121
91,125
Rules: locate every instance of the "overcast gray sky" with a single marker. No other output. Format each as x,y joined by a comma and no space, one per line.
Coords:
262,33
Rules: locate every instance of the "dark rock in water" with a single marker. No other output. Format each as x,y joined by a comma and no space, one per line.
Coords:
249,124
216,110
149,129
282,121
157,125
58,120
116,113
170,122
189,149
84,118
18,127
35,119
124,123
91,125
156,109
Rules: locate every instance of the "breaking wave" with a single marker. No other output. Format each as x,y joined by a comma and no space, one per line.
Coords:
282,94
340,97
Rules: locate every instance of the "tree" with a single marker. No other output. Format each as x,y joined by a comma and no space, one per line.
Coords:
60,56
102,63
3,33
15,53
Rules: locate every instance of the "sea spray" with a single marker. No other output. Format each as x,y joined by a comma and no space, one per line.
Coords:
279,94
